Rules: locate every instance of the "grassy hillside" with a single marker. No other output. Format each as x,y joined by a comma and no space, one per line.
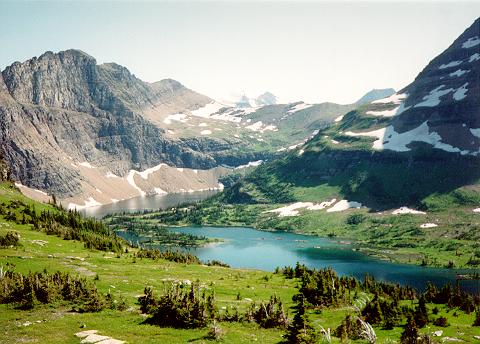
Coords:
124,275
445,186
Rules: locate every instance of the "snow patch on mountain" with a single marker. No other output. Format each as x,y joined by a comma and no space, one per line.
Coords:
474,57
299,107
85,164
459,72
461,93
471,42
293,209
90,202
475,132
250,164
205,132
388,138
180,117
260,127
406,210
450,64
433,98
344,205
395,99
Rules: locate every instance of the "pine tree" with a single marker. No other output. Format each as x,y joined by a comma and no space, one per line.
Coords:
477,317
410,334
300,331
421,313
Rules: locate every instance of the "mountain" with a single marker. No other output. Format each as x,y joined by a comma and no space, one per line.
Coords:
266,98
406,149
94,133
67,125
375,94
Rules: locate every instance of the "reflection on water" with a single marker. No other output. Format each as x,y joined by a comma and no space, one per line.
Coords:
146,203
249,248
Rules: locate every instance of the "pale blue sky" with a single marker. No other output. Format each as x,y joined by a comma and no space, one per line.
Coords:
311,51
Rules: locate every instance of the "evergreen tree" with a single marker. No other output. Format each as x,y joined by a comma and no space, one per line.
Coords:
410,334
477,318
421,313
300,331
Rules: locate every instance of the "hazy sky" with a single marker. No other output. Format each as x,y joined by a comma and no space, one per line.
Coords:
311,51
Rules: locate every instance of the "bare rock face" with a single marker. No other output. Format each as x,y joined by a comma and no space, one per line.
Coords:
4,171
59,110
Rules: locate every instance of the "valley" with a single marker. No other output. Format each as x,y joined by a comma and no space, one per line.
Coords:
138,210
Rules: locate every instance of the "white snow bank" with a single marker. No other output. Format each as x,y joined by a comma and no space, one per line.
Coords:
338,119
474,57
433,98
428,225
461,93
299,107
388,138
259,126
207,110
85,164
111,175
131,181
450,64
459,72
475,132
471,42
159,191
476,210
205,132
180,117
406,210
292,209
250,164
150,170
20,186
384,113
394,98
90,202
344,205
203,124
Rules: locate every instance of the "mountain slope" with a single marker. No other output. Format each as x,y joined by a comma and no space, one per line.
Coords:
399,150
67,122
375,94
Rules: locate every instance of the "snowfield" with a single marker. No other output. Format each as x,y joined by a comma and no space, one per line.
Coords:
461,93
180,117
433,98
458,72
474,57
90,202
85,164
406,210
450,64
394,98
250,164
299,107
428,225
292,209
344,205
205,132
471,42
388,138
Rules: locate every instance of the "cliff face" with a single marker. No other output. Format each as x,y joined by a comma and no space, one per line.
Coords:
60,111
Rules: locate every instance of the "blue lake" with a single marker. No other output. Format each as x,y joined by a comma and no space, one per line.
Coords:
250,248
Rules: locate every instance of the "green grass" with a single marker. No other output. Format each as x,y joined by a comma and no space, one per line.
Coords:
125,276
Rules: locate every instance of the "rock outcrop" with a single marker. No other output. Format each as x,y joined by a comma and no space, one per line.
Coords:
61,110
